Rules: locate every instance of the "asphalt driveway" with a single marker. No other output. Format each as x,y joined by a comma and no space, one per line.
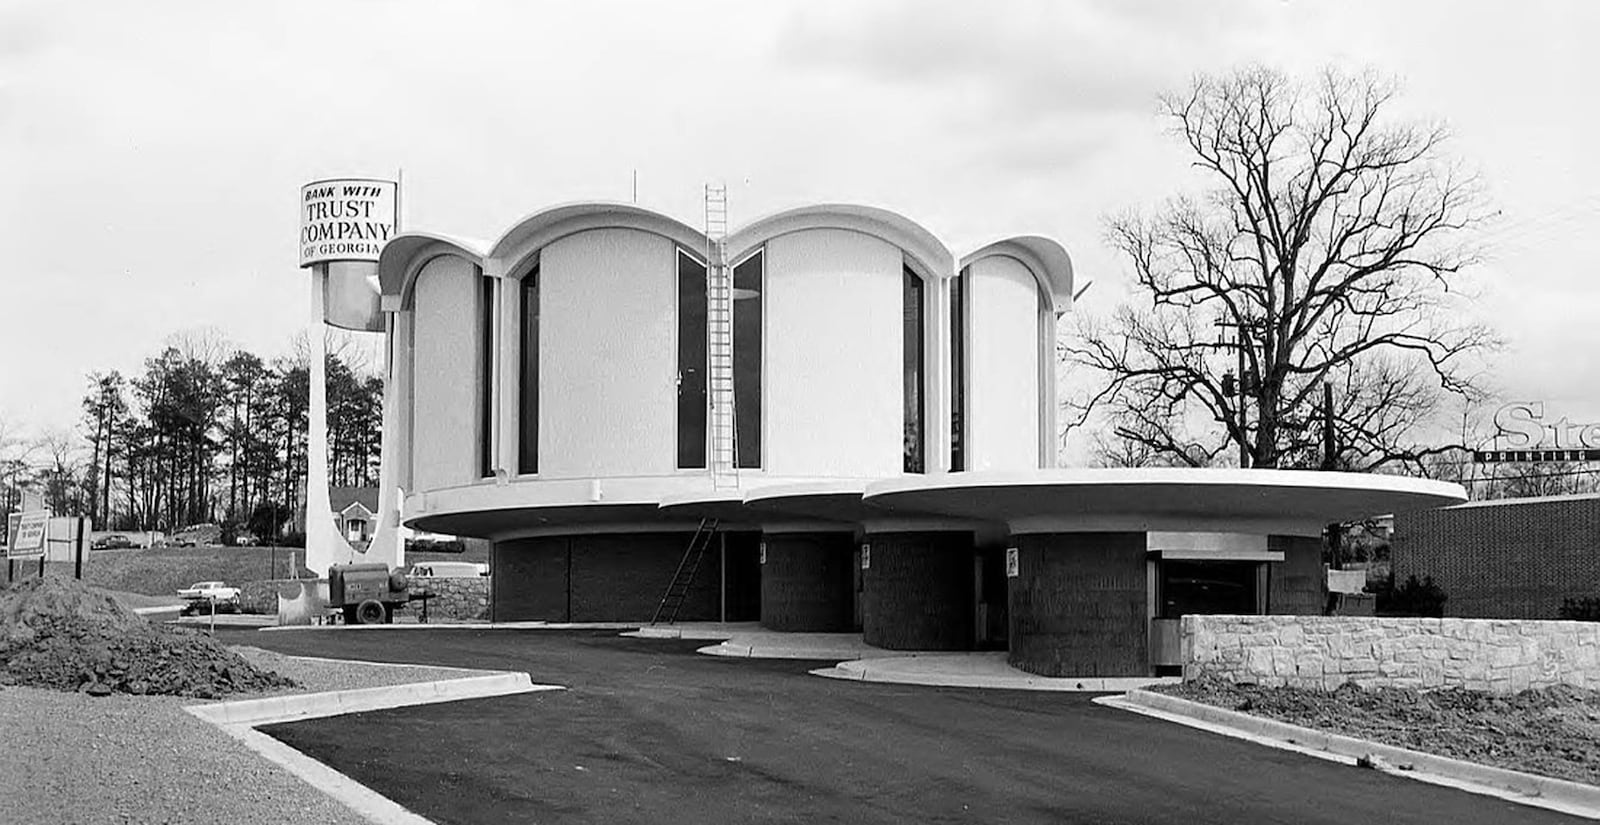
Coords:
650,732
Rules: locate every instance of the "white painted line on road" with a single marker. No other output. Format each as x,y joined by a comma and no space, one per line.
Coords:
1575,799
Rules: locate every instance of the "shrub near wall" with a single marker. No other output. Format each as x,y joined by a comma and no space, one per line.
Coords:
1324,652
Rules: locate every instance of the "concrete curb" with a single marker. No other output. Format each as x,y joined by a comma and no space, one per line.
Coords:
239,720
275,709
1560,795
460,626
748,651
886,671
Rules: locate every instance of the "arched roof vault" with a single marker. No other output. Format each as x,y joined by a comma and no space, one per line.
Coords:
927,251
1045,258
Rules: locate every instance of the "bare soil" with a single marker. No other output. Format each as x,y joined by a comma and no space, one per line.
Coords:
1552,732
61,634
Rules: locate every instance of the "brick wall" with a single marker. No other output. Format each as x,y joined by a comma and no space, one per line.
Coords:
598,578
916,592
807,582
1297,585
1512,560
1499,656
1078,606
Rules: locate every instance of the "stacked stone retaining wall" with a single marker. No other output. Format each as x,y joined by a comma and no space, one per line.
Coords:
1324,652
457,599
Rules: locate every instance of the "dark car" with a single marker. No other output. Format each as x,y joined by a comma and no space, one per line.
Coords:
115,541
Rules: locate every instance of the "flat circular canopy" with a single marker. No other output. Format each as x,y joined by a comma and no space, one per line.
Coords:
828,501
1287,501
489,522
722,505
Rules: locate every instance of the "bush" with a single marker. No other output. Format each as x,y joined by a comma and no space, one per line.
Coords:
1580,610
1424,598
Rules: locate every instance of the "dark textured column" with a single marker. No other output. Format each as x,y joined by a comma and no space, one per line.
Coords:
621,577
530,580
807,582
917,591
1079,606
1296,586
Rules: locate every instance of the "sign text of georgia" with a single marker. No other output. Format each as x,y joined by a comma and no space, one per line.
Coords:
1522,434
346,219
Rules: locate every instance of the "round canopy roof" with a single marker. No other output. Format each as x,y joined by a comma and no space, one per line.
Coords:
1288,501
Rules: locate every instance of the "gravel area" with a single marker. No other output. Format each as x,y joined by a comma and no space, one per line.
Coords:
1553,732
74,758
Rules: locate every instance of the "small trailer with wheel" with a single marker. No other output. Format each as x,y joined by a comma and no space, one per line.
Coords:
367,593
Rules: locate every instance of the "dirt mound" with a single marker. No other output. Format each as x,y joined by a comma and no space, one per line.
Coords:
1552,731
60,634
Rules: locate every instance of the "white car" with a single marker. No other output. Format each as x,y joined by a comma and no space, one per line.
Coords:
210,591
449,570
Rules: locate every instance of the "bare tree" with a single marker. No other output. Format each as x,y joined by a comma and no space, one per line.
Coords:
1326,251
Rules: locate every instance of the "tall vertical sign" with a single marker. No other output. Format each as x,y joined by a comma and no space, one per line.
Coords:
344,224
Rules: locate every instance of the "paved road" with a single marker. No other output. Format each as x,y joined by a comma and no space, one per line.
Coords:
650,732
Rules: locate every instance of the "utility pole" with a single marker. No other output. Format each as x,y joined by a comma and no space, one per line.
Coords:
1243,385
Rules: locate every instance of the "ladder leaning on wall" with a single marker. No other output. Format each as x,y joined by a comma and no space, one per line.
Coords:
723,432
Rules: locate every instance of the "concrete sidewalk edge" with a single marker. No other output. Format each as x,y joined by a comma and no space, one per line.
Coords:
1560,795
273,709
889,671
239,720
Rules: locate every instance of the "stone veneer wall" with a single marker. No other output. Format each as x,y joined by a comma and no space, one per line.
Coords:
457,599
1494,655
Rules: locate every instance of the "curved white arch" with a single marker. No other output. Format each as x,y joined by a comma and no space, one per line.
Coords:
927,251
1045,258
404,256
539,229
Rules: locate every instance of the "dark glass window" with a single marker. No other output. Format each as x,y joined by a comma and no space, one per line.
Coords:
911,360
958,372
747,291
486,376
528,397
691,362
1207,588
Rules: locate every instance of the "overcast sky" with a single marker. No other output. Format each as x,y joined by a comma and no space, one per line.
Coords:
151,153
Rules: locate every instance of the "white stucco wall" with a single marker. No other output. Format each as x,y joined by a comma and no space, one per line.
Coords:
445,373
1003,365
608,355
832,374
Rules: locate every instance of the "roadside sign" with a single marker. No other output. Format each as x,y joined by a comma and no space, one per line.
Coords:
27,536
1013,566
866,557
763,552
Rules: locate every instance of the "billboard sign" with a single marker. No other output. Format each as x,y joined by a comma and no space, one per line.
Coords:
28,535
1522,433
346,219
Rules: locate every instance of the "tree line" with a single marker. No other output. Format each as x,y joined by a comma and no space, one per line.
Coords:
205,433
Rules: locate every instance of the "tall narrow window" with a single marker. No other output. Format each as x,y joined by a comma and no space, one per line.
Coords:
911,360
486,376
691,363
528,394
747,284
958,372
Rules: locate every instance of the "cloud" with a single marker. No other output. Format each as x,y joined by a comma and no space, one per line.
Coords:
1027,59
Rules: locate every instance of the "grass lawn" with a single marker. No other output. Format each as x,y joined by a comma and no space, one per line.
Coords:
162,571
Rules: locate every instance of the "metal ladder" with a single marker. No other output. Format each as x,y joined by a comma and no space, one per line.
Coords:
683,577
719,351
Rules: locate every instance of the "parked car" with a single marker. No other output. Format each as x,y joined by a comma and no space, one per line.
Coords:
449,569
245,540
115,541
203,595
